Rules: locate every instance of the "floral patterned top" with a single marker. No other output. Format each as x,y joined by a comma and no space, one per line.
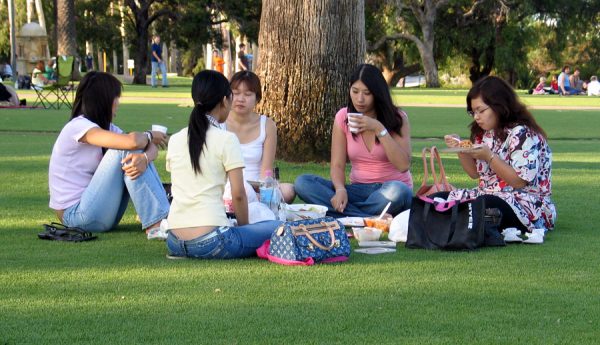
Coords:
529,154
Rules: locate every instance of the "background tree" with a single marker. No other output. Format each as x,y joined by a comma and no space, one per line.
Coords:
416,22
391,56
65,28
308,50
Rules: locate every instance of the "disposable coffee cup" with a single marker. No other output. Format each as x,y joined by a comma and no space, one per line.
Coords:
351,124
159,128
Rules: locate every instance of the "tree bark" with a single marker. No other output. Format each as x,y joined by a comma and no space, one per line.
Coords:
65,24
308,51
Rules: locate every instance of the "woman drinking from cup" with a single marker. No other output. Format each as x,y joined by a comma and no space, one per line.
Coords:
95,168
201,157
377,143
511,159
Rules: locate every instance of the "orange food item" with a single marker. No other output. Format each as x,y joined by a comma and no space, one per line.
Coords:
465,143
382,224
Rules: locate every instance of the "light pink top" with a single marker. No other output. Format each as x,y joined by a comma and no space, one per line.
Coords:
72,164
369,167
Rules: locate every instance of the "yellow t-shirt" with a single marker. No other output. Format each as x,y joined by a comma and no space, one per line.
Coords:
198,198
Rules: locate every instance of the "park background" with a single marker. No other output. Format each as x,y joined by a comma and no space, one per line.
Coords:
120,289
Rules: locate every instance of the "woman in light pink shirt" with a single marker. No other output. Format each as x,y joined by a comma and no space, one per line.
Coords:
377,143
95,168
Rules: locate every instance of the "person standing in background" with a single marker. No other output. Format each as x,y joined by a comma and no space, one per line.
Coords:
242,58
157,62
217,62
89,62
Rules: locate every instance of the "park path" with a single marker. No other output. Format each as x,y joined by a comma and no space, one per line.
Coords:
187,101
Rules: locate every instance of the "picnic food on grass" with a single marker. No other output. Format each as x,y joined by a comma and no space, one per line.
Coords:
381,224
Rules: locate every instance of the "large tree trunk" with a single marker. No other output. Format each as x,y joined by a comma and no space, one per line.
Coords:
65,24
308,50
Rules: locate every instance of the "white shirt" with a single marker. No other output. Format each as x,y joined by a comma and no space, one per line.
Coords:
593,88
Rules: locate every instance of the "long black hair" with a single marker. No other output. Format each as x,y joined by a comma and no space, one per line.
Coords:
208,90
500,96
387,113
95,96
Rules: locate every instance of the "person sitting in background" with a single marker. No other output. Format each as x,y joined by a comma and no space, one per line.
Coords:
576,82
8,96
511,158
49,71
38,78
201,157
377,143
554,85
564,82
593,87
540,89
257,133
6,71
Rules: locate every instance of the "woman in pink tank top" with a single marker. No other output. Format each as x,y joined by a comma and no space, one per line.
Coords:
375,136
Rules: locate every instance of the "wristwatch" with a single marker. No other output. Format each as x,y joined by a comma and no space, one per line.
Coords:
382,133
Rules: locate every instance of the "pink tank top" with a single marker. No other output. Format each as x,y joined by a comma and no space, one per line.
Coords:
369,167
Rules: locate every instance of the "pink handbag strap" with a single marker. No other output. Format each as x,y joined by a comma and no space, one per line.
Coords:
443,181
425,172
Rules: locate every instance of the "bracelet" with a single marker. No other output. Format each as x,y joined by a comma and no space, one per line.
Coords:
147,160
491,159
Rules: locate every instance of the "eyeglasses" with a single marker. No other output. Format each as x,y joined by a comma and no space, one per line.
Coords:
472,113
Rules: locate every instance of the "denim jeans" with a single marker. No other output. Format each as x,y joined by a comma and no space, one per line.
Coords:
224,242
163,69
105,199
364,199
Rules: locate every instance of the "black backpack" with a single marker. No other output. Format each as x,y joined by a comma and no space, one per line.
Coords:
24,82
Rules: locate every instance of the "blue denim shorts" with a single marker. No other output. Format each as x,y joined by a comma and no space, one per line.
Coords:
220,243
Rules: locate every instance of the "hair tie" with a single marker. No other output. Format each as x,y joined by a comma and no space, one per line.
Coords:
199,103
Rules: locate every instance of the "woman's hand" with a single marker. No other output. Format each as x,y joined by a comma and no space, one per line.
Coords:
480,152
366,123
160,139
452,140
340,200
134,165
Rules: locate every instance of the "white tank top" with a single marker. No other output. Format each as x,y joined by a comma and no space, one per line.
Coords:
253,151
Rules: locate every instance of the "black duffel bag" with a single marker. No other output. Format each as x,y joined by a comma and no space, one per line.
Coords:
452,225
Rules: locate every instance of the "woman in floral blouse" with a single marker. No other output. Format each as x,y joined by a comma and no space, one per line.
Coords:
511,158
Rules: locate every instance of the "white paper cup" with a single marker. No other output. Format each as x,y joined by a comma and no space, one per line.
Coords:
352,124
159,128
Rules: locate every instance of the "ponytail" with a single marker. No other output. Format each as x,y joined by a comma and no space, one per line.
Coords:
208,90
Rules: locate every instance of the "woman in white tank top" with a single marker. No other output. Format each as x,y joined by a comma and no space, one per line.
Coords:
257,133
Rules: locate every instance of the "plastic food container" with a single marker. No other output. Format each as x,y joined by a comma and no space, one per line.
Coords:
366,234
382,224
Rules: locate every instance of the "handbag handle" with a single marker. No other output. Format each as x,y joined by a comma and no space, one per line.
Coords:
317,244
425,172
443,181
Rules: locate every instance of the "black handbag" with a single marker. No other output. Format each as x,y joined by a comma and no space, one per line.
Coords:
453,225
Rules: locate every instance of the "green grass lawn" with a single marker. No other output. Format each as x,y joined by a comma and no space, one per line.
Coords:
120,289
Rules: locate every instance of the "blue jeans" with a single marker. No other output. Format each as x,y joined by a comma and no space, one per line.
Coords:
364,199
105,199
224,242
163,69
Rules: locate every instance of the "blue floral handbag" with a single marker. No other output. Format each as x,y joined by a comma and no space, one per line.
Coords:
319,240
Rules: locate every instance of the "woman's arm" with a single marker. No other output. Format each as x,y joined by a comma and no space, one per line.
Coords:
130,141
269,148
338,168
238,195
504,170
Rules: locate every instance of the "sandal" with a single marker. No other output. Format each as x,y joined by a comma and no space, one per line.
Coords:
60,232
